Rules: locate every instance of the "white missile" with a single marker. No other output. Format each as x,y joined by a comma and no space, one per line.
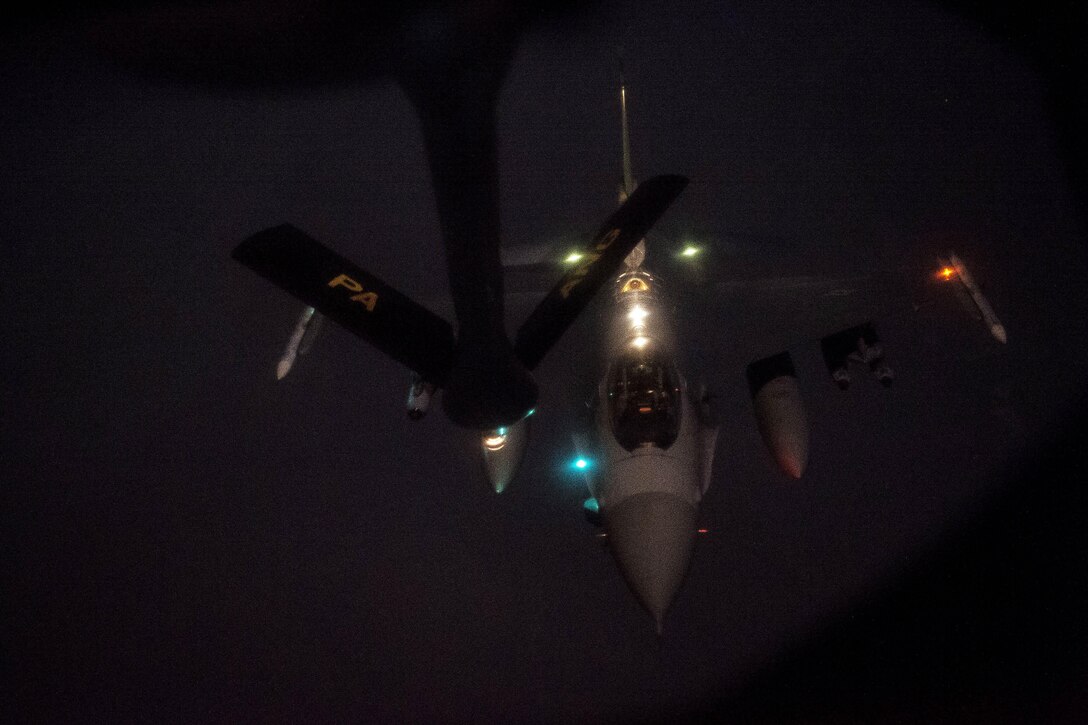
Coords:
979,299
292,350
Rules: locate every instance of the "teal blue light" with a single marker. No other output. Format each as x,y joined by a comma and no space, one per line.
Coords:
531,411
591,505
581,464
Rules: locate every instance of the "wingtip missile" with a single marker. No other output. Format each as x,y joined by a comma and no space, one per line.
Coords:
956,269
284,365
291,352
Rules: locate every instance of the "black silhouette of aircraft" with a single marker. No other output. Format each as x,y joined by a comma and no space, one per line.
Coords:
451,59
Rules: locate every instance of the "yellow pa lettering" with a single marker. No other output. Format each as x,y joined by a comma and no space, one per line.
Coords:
346,281
366,299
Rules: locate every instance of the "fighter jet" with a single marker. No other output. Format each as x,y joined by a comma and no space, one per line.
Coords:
434,51
647,449
654,438
650,433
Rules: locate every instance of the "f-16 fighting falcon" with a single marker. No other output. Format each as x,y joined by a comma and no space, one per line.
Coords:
652,435
648,452
654,439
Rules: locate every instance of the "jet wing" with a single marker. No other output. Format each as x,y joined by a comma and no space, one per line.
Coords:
766,314
352,297
782,312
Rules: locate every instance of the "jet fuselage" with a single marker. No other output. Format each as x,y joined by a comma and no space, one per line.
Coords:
654,443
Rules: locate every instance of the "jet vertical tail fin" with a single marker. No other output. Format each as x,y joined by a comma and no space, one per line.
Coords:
628,180
627,185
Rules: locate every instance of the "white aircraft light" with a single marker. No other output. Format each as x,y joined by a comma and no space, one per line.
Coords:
573,257
637,315
690,251
640,342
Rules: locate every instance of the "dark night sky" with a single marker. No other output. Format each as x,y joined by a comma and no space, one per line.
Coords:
187,540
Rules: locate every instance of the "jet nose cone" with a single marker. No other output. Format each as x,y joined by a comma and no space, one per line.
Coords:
651,536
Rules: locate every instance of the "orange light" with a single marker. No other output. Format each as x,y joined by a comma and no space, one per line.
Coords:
494,443
645,409
946,273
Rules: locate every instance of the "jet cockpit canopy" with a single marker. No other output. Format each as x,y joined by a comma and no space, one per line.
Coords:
644,398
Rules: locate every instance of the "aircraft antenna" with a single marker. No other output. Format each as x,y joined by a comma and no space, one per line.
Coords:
628,181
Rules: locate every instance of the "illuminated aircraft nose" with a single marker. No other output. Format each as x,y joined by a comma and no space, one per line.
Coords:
651,536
